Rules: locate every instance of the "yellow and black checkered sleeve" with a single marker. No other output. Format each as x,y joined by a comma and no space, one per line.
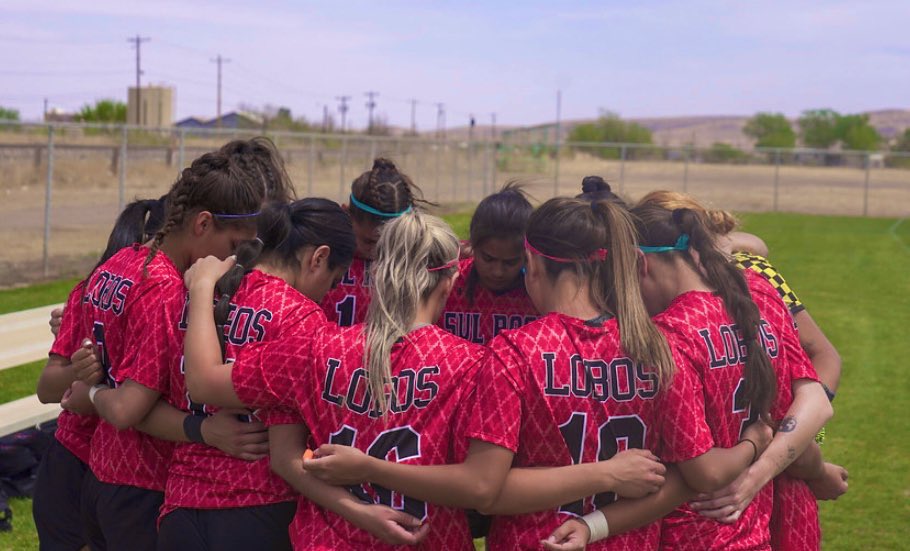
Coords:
761,266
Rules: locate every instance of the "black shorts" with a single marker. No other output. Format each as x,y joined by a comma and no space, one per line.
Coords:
58,500
122,517
262,527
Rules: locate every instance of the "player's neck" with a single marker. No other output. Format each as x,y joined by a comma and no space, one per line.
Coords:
426,314
571,296
178,255
286,274
685,279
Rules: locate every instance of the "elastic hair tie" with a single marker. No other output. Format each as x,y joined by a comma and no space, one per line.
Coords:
448,264
682,244
367,208
228,215
599,254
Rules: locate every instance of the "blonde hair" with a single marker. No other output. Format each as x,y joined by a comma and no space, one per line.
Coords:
719,221
407,247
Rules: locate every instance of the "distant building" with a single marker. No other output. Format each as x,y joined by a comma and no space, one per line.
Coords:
191,122
58,115
157,108
234,119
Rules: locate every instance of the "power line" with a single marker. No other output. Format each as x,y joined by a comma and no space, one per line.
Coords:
137,43
69,73
219,60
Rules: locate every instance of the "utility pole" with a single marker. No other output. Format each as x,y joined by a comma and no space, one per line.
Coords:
414,117
343,109
493,126
137,43
371,103
325,118
440,120
219,60
45,109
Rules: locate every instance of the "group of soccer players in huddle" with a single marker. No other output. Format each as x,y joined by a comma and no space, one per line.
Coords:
244,370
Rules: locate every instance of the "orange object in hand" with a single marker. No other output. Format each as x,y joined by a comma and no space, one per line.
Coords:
308,454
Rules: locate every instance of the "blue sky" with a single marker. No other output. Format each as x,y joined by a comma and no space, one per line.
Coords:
636,58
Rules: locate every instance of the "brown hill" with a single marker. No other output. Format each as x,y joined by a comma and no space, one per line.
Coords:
674,131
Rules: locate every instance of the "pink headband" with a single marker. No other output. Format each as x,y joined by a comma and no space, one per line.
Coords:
444,266
599,254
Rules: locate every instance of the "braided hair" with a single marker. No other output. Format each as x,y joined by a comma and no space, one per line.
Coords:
214,182
385,189
260,159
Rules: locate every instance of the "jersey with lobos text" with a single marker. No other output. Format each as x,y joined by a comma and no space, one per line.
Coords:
432,376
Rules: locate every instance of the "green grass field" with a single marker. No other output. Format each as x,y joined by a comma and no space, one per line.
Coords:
852,275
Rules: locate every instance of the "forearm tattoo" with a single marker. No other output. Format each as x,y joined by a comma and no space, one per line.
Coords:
788,424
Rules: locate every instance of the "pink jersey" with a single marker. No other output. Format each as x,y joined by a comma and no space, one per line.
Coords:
561,391
700,327
347,303
131,316
73,431
481,319
203,477
794,520
326,382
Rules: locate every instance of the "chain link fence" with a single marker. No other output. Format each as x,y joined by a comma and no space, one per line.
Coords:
62,185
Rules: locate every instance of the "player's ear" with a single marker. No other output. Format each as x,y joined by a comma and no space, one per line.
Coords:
533,265
643,266
320,257
202,222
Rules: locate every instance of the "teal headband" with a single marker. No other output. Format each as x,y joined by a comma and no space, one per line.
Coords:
367,208
682,244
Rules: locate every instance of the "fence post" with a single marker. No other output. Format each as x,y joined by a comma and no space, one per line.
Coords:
121,184
776,177
454,172
47,197
866,187
486,169
181,158
686,151
437,170
309,167
344,159
494,145
622,168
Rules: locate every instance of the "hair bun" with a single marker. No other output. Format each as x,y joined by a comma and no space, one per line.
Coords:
381,164
591,184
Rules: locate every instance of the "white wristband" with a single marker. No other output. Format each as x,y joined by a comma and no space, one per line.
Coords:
597,524
94,390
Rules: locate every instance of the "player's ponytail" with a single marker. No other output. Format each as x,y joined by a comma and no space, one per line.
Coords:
415,252
597,242
138,222
661,227
618,280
